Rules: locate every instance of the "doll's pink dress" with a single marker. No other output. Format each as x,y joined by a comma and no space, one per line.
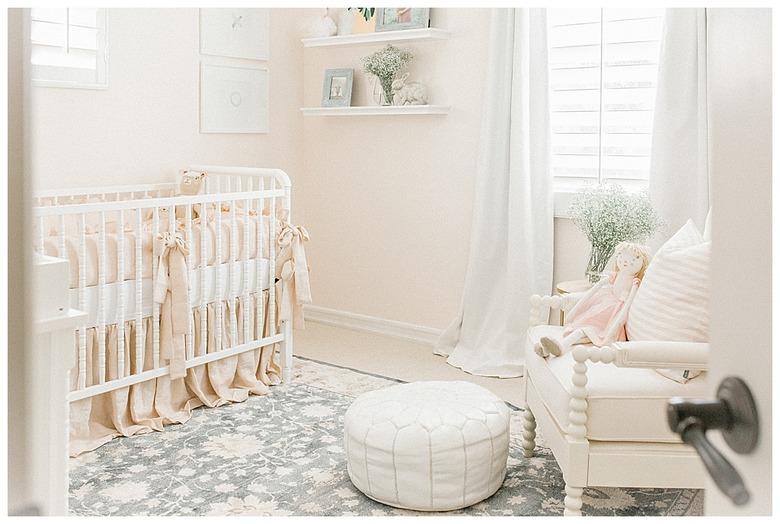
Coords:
595,315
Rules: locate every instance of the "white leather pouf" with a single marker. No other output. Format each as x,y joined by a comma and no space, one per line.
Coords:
429,446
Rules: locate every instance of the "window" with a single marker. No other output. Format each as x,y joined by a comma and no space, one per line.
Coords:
603,72
69,47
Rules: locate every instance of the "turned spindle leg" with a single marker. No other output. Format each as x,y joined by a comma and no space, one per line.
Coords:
572,502
529,433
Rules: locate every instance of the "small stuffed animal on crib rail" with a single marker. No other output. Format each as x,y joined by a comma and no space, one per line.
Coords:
599,317
191,183
413,93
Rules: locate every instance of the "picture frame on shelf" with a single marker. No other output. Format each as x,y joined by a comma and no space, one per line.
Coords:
337,88
235,33
233,99
400,18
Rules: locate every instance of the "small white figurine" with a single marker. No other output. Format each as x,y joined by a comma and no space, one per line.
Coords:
599,317
413,93
320,26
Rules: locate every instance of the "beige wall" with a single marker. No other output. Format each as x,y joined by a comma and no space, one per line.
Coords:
144,127
388,199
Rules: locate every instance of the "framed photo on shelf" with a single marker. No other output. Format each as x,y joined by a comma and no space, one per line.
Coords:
233,99
236,33
337,88
400,18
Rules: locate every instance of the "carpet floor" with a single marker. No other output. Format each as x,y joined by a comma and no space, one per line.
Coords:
282,455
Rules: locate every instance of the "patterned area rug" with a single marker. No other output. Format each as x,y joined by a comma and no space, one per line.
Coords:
282,455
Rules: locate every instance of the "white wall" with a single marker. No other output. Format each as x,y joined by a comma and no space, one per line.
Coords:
388,200
144,127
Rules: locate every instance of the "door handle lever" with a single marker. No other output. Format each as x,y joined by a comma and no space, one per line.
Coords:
734,414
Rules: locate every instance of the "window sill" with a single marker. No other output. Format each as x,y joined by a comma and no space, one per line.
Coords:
68,85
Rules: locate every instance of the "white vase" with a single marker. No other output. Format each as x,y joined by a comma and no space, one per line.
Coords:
346,21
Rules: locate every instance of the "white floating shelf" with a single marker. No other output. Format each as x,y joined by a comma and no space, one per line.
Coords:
375,110
406,35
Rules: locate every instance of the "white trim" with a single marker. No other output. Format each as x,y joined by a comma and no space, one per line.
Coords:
381,326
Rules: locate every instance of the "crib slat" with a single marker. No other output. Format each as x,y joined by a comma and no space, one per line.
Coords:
272,269
203,266
233,290
103,300
156,306
139,327
245,273
218,276
82,372
189,340
40,235
120,280
63,252
258,282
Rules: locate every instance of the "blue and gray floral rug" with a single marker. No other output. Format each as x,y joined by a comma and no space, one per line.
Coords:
282,455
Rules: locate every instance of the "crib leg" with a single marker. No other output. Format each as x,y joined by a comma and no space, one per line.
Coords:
286,347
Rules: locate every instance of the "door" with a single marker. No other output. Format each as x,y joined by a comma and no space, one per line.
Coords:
740,120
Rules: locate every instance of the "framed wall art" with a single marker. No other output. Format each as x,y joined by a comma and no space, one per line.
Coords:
337,88
236,33
233,99
400,18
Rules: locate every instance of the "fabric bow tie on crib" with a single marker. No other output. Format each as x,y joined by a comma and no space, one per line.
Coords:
170,290
292,270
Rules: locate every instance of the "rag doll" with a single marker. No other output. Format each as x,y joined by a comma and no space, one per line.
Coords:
599,317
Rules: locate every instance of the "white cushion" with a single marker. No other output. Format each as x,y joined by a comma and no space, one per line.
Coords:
624,404
673,300
430,446
707,233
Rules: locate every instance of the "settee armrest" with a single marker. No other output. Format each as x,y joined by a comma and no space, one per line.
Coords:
543,305
675,355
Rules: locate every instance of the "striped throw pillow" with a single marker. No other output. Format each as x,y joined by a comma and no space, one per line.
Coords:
673,300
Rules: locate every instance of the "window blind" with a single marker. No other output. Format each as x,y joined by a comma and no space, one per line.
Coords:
603,73
68,45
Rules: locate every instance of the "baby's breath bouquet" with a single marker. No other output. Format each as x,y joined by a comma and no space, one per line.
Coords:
385,65
608,215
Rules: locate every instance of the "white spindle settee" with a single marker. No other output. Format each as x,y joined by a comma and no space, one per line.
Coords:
601,410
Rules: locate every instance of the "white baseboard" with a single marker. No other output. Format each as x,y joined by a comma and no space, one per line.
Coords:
381,326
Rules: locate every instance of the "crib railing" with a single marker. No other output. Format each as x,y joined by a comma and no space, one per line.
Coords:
240,281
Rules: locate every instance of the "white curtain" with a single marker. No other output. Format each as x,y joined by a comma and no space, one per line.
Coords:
511,247
679,174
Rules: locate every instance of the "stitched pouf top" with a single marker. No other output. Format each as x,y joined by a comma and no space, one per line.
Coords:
431,446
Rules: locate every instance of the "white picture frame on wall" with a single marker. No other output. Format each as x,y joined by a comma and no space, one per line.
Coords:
235,33
233,98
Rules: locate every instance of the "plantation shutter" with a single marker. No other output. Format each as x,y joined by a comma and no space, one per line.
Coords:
68,46
603,73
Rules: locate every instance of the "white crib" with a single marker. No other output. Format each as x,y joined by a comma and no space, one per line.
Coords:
122,221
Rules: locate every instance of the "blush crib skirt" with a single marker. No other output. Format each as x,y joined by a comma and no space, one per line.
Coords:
149,406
